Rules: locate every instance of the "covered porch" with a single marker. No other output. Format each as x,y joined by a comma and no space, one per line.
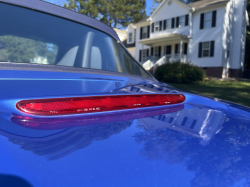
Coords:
162,49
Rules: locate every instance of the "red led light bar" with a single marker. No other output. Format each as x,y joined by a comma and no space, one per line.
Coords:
92,104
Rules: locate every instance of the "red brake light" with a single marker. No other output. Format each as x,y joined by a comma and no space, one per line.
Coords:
80,105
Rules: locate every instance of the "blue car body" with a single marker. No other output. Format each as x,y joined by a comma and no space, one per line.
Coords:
200,142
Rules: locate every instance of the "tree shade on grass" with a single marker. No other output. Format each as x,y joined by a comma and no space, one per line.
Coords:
234,91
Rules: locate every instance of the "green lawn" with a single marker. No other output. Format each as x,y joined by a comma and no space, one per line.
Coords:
234,91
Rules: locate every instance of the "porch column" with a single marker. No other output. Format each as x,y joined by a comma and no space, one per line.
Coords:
142,54
180,48
154,59
165,51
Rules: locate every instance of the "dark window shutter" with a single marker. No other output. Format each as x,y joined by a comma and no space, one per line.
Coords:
202,21
164,24
140,56
160,25
148,34
212,48
214,19
141,33
152,51
173,22
176,48
169,49
200,50
165,50
177,22
147,52
185,48
186,20
159,51
152,27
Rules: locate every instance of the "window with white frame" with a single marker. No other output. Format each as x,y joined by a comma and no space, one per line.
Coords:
156,25
144,32
208,20
182,21
144,55
169,24
205,49
130,37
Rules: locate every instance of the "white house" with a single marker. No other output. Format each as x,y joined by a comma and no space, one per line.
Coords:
208,33
122,34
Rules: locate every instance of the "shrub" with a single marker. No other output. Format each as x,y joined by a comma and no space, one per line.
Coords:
178,72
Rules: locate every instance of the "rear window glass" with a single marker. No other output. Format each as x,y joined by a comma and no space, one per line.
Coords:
18,49
27,36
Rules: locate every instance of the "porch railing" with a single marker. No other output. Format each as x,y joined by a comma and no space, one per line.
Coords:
151,61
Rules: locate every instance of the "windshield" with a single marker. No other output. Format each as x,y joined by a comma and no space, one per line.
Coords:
28,36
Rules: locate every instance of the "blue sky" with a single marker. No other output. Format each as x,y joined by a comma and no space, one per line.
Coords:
149,3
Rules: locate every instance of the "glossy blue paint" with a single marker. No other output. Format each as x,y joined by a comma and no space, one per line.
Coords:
203,142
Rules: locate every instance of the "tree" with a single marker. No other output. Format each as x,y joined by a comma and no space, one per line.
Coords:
157,2
86,7
116,13
120,13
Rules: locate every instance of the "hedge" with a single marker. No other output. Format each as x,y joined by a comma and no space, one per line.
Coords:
178,72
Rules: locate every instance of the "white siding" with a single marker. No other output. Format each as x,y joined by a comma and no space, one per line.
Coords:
203,35
167,12
132,51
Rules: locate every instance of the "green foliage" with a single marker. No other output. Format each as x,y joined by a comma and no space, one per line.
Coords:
178,72
116,13
86,7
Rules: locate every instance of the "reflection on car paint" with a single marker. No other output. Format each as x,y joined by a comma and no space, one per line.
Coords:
86,120
198,122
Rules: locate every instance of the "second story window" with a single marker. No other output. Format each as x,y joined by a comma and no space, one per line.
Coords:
169,24
144,32
156,25
182,21
208,20
130,37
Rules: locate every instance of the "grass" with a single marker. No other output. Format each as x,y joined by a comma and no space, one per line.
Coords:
234,91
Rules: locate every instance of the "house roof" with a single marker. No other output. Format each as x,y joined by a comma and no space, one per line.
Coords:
206,3
143,20
196,5
120,31
162,38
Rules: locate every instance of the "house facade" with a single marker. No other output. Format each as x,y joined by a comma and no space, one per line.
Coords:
209,33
